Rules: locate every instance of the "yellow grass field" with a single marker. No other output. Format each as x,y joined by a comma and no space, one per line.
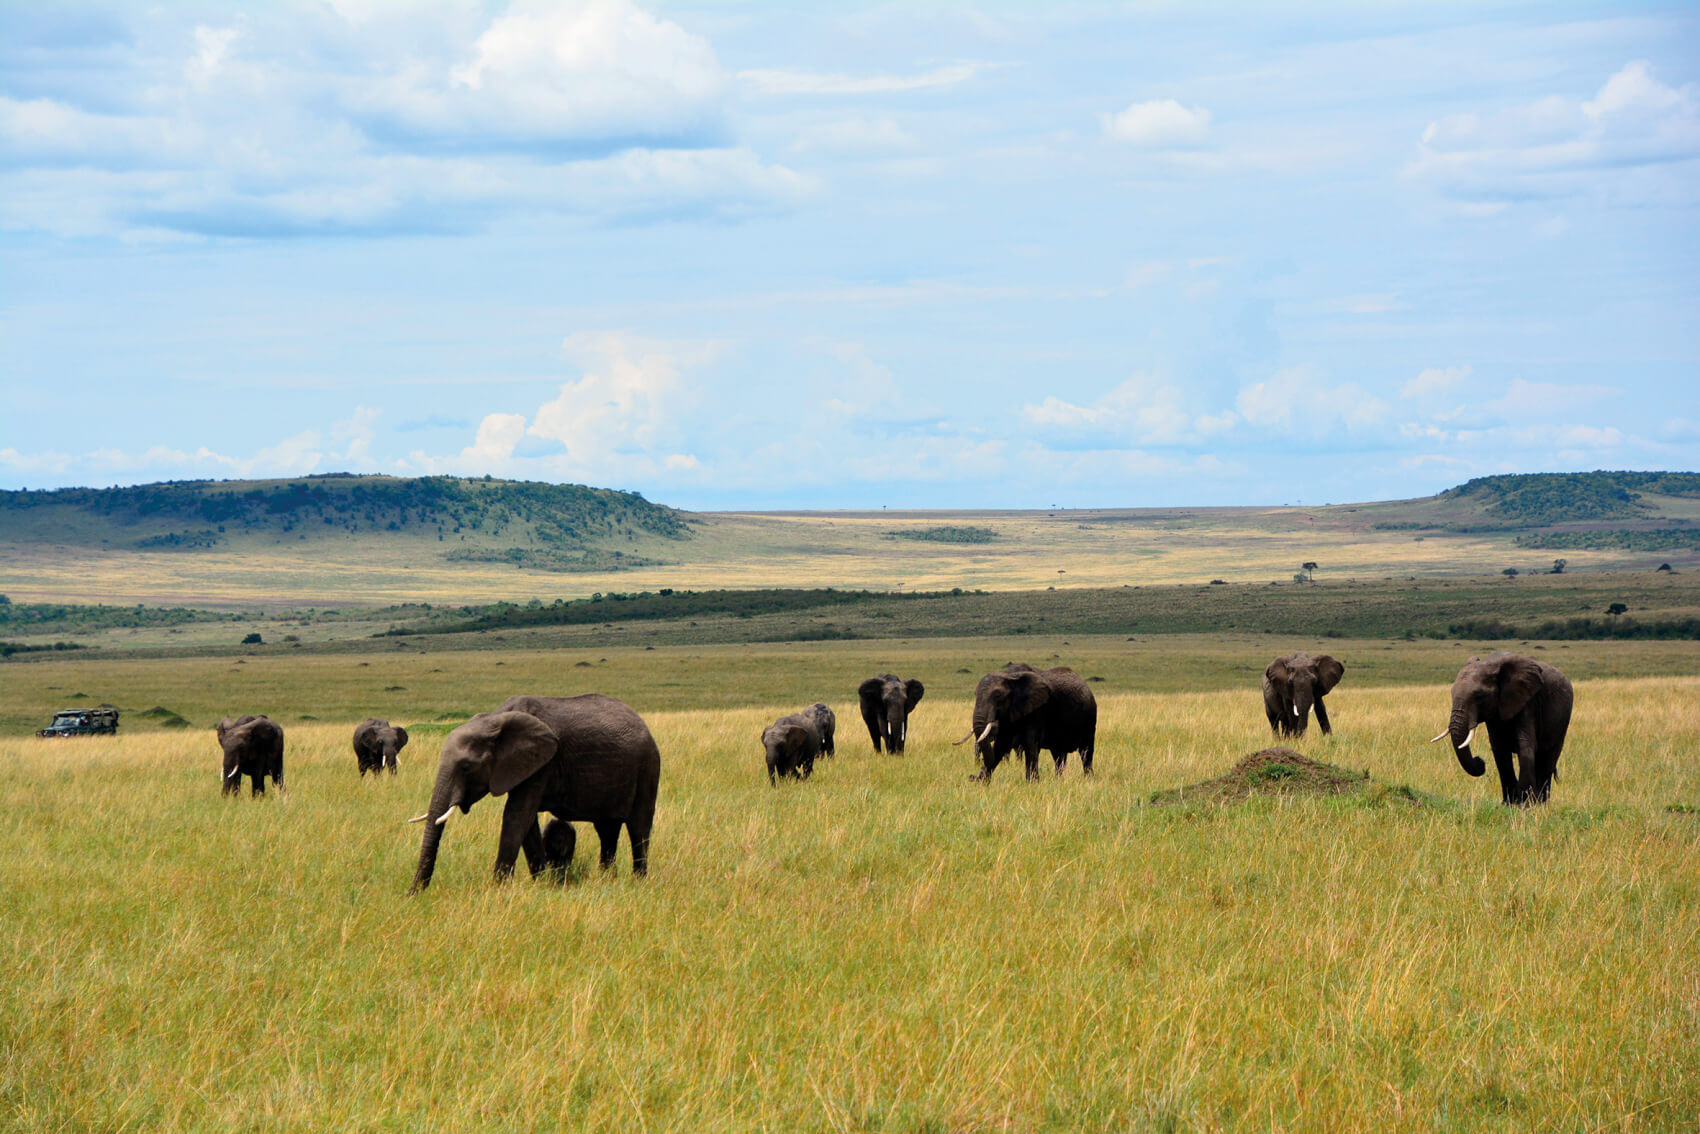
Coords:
885,947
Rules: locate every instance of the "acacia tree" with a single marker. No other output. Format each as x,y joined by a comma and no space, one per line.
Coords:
1310,571
1509,572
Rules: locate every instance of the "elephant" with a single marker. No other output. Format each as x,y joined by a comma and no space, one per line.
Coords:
1292,684
792,743
588,758
253,746
1030,709
887,701
376,745
1525,704
559,842
826,722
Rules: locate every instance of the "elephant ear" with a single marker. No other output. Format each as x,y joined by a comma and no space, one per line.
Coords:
515,746
869,691
400,738
796,738
1027,692
913,691
1519,681
1279,674
1328,674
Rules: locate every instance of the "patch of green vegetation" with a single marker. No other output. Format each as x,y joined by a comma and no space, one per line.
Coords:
7,649
946,533
1649,539
1551,498
1575,629
187,541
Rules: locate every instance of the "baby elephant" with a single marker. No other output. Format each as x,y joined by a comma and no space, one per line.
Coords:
376,745
825,722
253,746
559,843
792,743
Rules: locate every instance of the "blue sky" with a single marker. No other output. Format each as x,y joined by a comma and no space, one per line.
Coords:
741,255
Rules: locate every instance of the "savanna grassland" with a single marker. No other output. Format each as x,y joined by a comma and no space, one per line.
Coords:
887,946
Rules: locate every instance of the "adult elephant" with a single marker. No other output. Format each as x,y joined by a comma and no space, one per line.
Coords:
1525,704
887,701
253,747
1295,683
791,744
376,745
1024,709
588,758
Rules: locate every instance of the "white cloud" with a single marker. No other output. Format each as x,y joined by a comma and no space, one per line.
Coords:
1435,380
1523,398
1560,145
1296,401
782,82
856,136
1142,409
1158,124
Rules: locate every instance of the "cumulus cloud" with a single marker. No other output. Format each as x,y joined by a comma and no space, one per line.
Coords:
1558,145
1158,124
1144,409
1297,401
1435,380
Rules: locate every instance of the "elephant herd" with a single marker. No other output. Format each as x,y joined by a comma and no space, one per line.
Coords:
591,758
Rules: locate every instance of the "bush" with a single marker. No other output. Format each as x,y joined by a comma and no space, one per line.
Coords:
253,639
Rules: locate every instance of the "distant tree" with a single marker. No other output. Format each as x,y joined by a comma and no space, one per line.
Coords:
253,639
1310,570
4,601
1558,566
1664,567
1617,608
1510,572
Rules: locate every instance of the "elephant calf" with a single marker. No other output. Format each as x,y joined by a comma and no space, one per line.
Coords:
376,745
791,743
1525,704
826,722
253,747
1292,685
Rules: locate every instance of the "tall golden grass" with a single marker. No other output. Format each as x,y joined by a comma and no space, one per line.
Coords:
887,946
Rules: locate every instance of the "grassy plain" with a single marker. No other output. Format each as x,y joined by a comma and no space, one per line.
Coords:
1030,550
885,947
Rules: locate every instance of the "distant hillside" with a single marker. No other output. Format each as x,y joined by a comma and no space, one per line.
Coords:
1536,499
551,526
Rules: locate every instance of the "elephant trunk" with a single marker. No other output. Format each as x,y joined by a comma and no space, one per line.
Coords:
1461,728
895,727
442,800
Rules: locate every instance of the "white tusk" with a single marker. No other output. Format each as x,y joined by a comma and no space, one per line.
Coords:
1442,736
990,725
1467,740
444,817
905,736
969,735
1295,710
420,818
234,771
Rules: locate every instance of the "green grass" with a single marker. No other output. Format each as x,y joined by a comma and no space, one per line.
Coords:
887,946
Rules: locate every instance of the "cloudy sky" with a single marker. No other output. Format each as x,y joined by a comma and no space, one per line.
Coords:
742,254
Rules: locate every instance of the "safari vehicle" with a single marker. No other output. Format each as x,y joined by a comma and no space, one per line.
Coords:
82,722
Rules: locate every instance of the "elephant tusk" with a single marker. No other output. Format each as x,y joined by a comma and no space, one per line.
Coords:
1295,710
966,737
990,725
420,818
1442,736
904,736
444,817
1467,740
234,771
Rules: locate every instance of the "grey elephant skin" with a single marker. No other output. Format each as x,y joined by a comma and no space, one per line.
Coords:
582,759
1293,685
1023,709
377,744
887,701
791,744
1525,704
253,747
826,723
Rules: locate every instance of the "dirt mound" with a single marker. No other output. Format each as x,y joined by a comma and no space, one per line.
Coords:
167,718
1273,771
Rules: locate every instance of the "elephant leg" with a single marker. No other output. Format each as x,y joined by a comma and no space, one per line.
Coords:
1030,751
1509,793
637,829
258,787
608,833
1546,766
519,819
531,844
873,733
1322,718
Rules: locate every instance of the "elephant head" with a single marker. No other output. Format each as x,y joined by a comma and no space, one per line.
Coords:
790,748
887,701
490,754
1495,688
377,744
1295,685
1002,703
